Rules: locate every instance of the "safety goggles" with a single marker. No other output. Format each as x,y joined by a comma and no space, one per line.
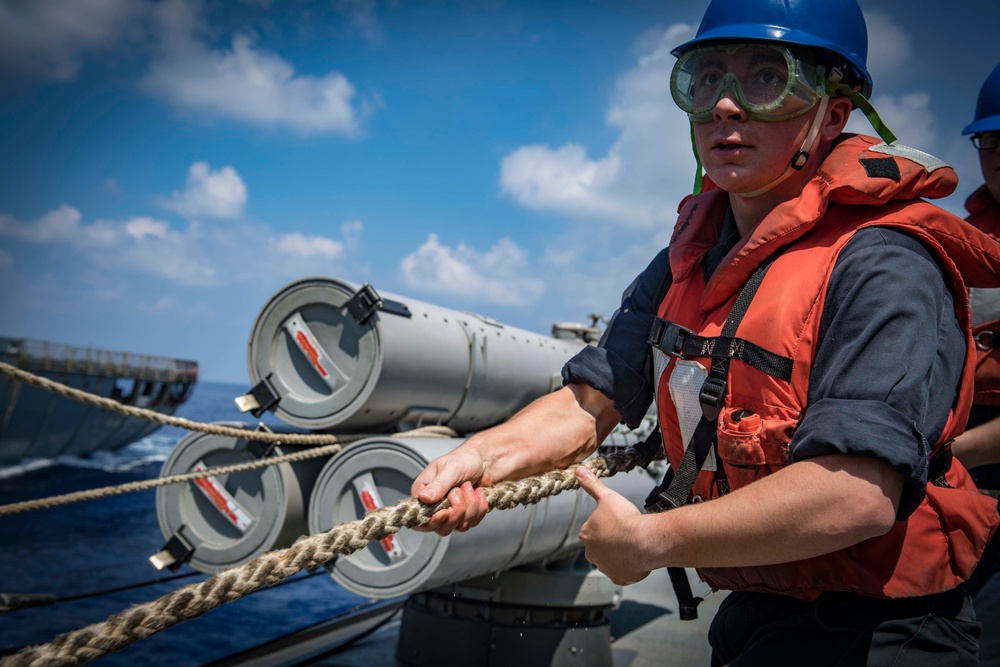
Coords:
986,141
767,80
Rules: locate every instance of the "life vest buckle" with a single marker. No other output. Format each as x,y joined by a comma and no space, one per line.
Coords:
711,396
669,337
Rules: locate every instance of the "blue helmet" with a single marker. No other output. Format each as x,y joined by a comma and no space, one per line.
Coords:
837,27
988,107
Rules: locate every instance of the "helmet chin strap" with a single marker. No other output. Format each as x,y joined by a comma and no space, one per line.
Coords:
801,157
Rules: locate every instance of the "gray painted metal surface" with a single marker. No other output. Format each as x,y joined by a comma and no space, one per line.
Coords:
645,632
35,423
415,561
433,365
230,519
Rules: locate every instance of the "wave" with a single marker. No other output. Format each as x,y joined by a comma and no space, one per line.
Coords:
7,472
153,449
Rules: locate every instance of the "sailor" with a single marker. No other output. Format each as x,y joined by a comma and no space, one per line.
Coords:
979,447
807,343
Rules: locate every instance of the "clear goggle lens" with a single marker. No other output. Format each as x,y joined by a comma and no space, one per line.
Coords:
766,80
986,141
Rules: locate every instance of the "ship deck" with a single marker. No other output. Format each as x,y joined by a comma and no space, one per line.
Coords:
646,631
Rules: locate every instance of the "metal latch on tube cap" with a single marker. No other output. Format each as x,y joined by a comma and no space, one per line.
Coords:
259,400
366,301
260,449
174,553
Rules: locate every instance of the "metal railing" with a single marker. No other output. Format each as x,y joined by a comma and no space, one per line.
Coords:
42,355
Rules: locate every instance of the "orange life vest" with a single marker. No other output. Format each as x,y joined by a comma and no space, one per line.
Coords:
984,213
940,544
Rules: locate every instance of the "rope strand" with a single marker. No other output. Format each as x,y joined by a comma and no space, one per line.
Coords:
160,418
333,444
132,487
147,619
307,553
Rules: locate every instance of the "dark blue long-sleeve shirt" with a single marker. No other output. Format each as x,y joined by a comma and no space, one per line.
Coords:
886,370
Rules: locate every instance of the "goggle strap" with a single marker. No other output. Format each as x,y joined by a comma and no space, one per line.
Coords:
866,108
697,164
805,151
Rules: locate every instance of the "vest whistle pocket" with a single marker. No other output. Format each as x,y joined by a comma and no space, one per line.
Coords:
739,446
739,438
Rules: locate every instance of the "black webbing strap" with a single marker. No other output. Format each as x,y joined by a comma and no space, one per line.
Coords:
712,395
680,481
687,603
650,449
680,341
940,464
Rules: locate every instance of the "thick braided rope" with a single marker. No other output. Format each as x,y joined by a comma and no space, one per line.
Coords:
132,487
160,418
147,619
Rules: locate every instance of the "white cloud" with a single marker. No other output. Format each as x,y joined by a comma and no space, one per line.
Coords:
909,116
635,185
647,170
101,234
244,82
890,48
198,256
217,194
227,253
62,224
296,255
310,246
138,244
565,179
49,39
498,276
138,228
907,113
180,258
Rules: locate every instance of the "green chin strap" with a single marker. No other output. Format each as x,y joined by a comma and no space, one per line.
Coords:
866,108
697,163
836,89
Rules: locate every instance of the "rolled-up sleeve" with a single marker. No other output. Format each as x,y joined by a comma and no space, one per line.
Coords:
618,365
889,361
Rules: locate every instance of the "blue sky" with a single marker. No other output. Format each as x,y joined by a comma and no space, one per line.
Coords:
166,166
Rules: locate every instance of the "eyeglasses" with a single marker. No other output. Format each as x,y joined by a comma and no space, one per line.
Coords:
767,80
986,141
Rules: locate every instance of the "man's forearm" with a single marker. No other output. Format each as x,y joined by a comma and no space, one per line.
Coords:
552,432
808,509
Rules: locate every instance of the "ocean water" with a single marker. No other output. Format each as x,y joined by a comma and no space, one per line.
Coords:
81,550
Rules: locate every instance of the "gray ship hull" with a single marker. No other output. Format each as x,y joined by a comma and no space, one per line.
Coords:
37,424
